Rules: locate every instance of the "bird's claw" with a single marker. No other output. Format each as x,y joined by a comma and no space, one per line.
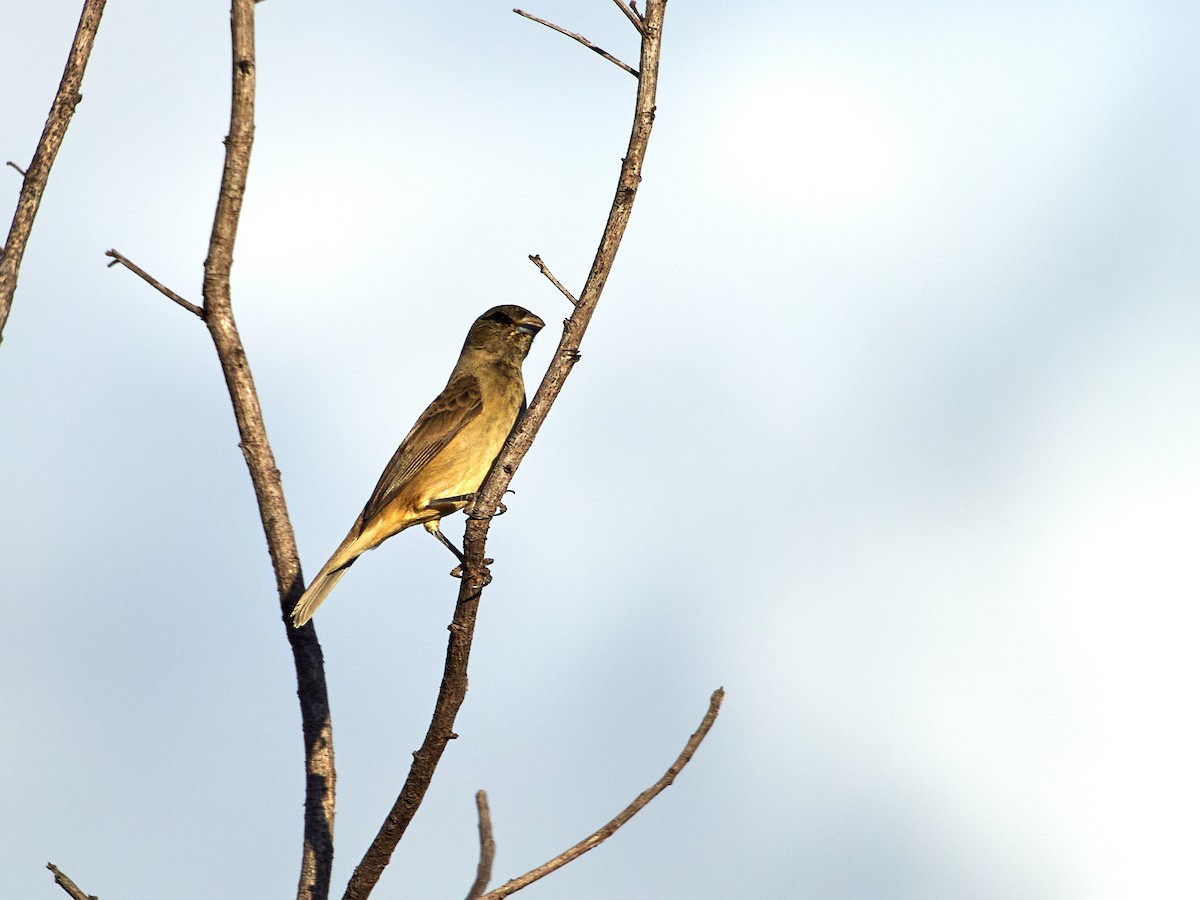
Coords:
457,572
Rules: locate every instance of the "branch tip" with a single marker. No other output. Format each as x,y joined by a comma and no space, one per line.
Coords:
487,847
68,885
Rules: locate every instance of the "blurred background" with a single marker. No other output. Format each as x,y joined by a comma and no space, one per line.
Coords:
887,423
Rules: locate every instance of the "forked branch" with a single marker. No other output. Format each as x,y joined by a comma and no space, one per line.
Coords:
631,13
600,835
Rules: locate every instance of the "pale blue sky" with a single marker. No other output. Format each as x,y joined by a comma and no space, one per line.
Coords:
887,422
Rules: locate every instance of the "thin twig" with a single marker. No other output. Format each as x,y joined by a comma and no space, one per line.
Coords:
596,838
68,885
537,261
487,848
15,166
453,689
579,37
316,857
633,6
153,282
630,14
61,111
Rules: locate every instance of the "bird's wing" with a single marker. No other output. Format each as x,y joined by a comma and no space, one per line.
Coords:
445,417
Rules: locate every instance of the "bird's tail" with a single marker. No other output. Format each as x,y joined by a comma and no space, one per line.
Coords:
318,589
331,573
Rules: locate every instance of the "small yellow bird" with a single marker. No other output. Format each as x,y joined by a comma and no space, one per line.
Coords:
444,459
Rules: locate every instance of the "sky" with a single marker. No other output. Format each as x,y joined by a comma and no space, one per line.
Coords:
887,423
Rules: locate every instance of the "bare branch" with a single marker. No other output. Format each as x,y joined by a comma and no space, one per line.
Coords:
153,282
440,732
567,352
537,261
15,166
475,574
596,838
317,853
630,14
579,37
61,111
316,859
487,848
68,885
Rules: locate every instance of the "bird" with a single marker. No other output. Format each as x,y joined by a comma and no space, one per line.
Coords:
448,453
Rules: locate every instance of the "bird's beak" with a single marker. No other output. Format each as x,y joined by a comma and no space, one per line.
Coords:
530,324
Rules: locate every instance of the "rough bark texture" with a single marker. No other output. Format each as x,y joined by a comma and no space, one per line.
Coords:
317,854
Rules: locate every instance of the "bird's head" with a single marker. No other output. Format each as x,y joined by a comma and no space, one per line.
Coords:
506,331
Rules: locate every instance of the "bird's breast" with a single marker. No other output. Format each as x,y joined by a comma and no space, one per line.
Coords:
463,464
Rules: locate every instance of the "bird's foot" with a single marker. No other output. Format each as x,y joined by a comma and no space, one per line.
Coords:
457,572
